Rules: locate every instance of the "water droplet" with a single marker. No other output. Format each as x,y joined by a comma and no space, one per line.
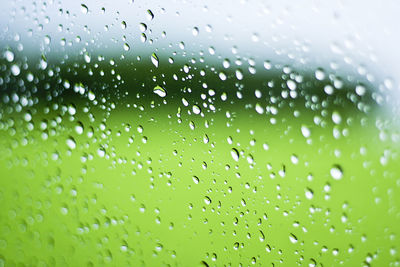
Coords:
206,139
360,90
84,9
309,193
196,179
47,40
101,152
222,76
43,63
71,143
259,108
86,57
91,96
320,74
192,125
142,27
159,247
207,200
239,74
262,236
15,70
150,15
267,65
336,172
293,238
79,128
328,89
195,31
294,158
336,118
291,85
161,92
211,50
123,25
235,154
154,60
9,55
196,109
185,102
126,47
305,131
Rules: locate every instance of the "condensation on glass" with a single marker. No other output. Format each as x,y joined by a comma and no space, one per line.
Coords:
199,133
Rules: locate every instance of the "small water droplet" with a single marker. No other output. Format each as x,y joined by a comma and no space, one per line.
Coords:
207,200
79,128
336,118
15,70
101,152
142,27
71,143
309,193
87,58
196,109
161,92
84,9
239,74
150,15
91,96
235,154
43,62
320,74
291,85
159,247
154,60
328,89
222,76
293,238
126,47
9,55
47,40
195,31
336,172
360,90
305,131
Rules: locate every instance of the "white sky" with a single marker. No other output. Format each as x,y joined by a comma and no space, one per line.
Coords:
301,33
